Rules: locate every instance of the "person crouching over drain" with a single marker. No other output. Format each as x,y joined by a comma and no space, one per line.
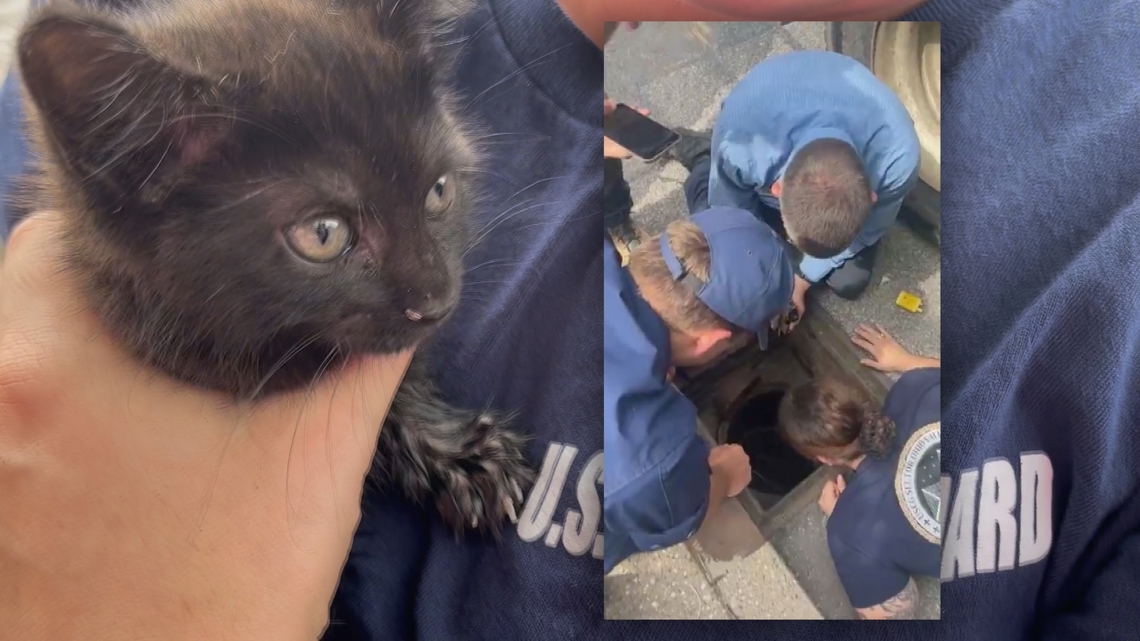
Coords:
883,522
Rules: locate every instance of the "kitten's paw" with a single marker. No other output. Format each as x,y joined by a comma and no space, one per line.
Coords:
484,486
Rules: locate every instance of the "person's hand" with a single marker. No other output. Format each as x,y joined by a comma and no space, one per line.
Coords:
830,494
886,354
610,148
734,461
135,507
799,299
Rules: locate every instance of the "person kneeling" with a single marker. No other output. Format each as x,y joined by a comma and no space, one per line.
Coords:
883,525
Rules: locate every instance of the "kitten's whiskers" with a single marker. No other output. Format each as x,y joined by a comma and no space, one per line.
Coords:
289,355
333,353
533,63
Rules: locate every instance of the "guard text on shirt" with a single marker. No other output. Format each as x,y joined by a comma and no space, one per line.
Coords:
1011,511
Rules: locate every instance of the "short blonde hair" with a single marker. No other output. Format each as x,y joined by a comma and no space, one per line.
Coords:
676,304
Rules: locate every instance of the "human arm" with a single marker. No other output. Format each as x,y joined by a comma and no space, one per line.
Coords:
734,177
900,606
830,494
886,354
145,509
668,503
800,288
731,472
611,149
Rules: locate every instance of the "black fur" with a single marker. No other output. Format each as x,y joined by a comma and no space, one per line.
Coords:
185,141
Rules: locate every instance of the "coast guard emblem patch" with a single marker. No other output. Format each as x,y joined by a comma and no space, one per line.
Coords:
917,481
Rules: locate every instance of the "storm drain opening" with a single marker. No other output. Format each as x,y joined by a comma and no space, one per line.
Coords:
752,423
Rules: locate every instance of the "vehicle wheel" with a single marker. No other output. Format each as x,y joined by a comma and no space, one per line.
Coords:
907,57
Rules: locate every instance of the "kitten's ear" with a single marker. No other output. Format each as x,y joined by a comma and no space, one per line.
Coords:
117,115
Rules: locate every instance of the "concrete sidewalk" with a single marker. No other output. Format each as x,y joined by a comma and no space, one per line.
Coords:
727,572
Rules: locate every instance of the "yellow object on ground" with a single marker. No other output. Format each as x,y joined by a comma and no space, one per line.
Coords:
909,302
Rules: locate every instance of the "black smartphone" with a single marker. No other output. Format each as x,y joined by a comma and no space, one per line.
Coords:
643,136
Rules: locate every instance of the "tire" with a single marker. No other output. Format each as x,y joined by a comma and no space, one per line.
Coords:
916,78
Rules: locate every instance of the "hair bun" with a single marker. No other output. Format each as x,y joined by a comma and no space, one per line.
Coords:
876,434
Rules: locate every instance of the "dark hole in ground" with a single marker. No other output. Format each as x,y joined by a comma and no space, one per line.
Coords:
776,467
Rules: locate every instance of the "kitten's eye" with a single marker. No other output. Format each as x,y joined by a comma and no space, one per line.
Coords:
441,195
320,239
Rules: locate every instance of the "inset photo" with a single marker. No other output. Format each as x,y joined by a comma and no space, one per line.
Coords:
773,320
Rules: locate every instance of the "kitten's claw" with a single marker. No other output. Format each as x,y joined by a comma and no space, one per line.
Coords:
483,487
467,462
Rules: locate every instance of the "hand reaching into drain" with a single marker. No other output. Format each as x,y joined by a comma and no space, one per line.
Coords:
799,300
733,461
830,494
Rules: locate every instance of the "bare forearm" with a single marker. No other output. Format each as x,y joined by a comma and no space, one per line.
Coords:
718,493
920,362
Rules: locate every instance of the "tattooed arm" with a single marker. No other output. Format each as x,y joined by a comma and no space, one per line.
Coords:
876,587
900,606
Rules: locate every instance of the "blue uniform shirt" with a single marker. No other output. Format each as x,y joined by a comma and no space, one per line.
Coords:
875,547
790,100
657,484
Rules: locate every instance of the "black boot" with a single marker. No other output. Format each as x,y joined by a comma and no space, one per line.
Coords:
852,278
691,146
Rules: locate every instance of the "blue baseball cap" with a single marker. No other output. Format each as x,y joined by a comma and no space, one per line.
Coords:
750,272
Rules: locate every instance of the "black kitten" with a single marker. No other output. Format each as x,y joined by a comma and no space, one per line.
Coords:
257,189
